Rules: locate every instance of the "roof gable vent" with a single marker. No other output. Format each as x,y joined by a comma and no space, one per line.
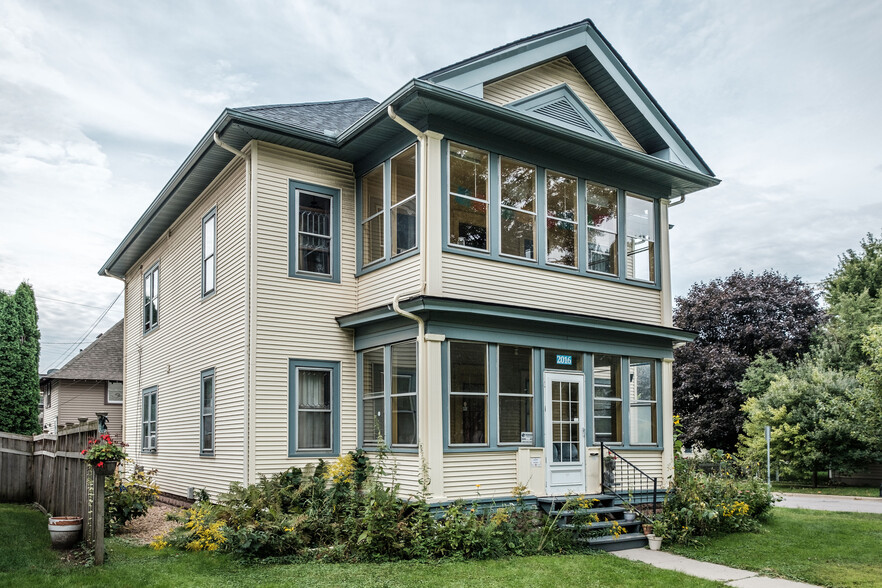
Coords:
560,105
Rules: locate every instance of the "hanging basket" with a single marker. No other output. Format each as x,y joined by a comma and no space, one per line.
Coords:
107,468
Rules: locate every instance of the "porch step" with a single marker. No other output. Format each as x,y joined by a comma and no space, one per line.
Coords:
553,503
604,512
612,543
632,527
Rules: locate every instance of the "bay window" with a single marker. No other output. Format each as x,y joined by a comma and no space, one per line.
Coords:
562,228
602,214
517,211
468,193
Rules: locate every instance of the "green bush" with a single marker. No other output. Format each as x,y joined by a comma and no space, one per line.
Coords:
127,496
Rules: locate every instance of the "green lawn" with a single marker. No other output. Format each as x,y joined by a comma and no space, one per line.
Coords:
827,490
26,560
818,547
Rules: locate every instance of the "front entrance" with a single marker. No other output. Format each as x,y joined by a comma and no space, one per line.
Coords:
564,433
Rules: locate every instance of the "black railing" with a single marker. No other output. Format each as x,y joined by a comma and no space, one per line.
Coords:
627,482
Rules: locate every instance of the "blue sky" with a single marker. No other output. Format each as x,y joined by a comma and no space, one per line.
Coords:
100,102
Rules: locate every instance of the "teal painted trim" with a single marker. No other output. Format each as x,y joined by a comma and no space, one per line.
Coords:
359,399
588,412
211,214
387,209
445,391
445,188
334,195
379,335
387,394
494,232
386,262
209,373
532,103
389,150
539,397
582,244
334,368
145,330
493,395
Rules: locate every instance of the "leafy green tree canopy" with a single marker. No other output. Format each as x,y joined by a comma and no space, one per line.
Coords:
19,362
737,318
858,271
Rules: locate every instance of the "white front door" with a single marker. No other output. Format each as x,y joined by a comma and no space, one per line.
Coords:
564,433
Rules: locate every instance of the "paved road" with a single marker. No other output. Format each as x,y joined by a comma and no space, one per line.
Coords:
838,503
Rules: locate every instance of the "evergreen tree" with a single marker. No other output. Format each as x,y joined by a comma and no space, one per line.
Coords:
19,362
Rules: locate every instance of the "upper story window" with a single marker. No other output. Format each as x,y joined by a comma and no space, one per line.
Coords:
640,227
148,419
389,209
468,193
209,231
151,298
561,209
314,240
521,213
517,211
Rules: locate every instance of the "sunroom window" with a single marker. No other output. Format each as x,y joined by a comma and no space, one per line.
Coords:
640,248
607,399
468,393
642,397
517,209
515,394
373,412
468,193
373,213
404,394
602,228
404,201
562,228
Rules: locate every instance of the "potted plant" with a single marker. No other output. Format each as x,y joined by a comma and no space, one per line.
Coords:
660,528
104,455
631,513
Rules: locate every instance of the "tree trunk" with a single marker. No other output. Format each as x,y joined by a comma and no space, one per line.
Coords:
814,479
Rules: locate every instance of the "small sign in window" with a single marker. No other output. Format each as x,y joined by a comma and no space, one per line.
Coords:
526,437
564,359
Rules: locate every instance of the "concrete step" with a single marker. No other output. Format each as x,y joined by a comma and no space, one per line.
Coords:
611,543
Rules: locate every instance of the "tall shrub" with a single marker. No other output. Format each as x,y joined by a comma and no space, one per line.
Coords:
19,362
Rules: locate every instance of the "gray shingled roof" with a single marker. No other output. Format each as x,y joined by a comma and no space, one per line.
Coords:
101,360
330,118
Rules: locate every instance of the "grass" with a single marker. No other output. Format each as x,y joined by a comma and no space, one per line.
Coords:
818,547
27,560
866,491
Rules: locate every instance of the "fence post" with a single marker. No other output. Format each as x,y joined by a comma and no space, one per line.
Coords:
99,519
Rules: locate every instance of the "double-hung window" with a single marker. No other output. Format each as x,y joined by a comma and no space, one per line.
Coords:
373,217
517,212
642,397
404,394
515,378
206,415
148,419
468,194
602,214
314,401
607,399
403,201
373,411
151,298
468,393
314,232
209,232
114,393
640,247
562,232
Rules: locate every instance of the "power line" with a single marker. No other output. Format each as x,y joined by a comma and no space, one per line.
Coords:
66,353
40,297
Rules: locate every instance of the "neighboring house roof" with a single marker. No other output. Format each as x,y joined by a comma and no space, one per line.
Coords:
356,130
329,118
101,360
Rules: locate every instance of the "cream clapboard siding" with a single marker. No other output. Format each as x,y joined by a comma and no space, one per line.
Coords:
51,412
650,462
83,398
549,75
402,469
379,286
296,316
193,335
494,281
495,471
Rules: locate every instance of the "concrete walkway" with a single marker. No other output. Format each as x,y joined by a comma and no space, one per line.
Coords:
708,571
837,503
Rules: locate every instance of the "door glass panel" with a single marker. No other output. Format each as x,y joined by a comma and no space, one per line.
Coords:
565,422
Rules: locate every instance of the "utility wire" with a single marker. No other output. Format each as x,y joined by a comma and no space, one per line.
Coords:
40,297
66,353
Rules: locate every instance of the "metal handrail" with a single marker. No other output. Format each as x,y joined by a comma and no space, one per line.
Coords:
629,473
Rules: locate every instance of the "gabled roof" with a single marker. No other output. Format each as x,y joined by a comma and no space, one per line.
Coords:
101,360
356,130
328,118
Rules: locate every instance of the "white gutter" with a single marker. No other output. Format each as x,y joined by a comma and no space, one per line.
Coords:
248,246
678,202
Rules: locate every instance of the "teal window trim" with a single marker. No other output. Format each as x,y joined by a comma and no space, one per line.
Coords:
295,187
149,395
387,397
203,376
334,368
208,293
388,257
494,232
150,323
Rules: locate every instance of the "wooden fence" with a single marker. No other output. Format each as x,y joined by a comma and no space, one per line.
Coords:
51,471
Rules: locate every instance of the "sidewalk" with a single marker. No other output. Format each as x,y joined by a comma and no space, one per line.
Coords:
828,502
708,571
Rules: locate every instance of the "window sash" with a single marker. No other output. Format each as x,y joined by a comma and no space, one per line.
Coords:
314,434
304,236
151,299
148,421
209,247
206,439
479,429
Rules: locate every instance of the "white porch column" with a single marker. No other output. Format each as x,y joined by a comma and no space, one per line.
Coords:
664,245
431,423
667,421
436,202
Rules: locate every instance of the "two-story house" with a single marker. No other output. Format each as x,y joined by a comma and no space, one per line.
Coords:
474,271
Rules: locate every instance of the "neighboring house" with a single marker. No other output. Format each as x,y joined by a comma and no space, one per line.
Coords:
90,383
475,270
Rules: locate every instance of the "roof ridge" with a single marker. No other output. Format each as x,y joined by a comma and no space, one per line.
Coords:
101,338
268,106
586,21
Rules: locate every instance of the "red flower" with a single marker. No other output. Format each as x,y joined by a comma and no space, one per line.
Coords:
83,452
100,464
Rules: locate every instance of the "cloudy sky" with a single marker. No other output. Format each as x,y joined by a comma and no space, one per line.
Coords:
100,102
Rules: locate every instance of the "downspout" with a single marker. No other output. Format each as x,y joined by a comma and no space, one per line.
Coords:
248,245
678,202
422,348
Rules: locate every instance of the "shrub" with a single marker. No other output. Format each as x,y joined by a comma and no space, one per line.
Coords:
127,496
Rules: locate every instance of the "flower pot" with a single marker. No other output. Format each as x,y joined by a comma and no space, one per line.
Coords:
630,516
654,542
106,468
647,529
65,531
